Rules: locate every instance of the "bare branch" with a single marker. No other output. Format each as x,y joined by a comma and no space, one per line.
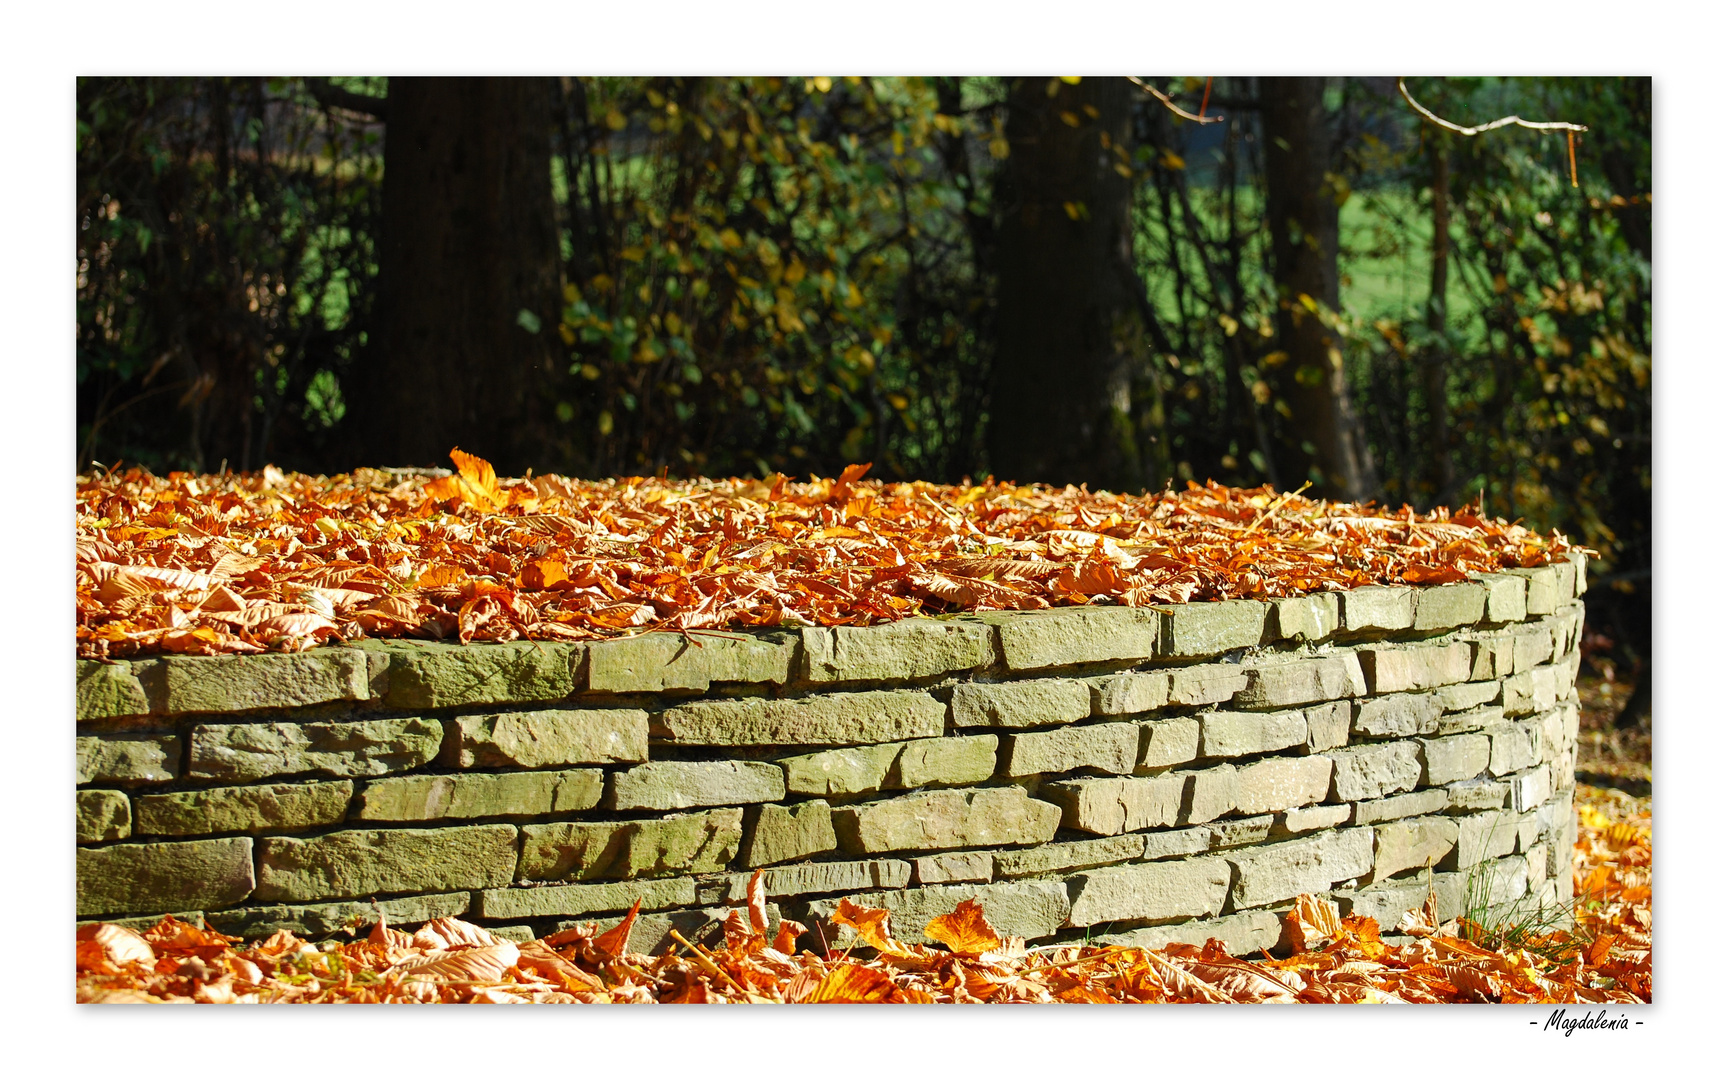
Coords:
1172,106
334,97
1555,125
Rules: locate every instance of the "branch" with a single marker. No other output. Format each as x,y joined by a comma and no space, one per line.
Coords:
334,97
1172,106
1556,125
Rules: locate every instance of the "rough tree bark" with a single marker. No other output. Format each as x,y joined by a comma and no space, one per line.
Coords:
1321,438
1068,326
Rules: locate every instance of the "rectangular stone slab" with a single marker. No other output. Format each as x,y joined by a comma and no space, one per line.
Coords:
1150,892
125,879
127,759
436,675
240,753
651,663
232,684
535,903
843,719
673,843
317,920
360,862
1027,909
546,737
910,649
681,785
480,795
952,818
254,809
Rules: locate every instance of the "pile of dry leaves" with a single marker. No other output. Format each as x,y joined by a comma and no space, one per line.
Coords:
1604,958
243,563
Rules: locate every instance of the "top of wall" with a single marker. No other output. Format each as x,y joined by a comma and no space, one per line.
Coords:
406,675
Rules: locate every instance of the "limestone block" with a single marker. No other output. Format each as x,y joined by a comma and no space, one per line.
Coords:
127,759
1374,771
240,753
1447,607
848,770
652,663
438,675
848,719
823,877
1481,794
1273,873
1277,684
1026,909
1108,748
1309,819
780,834
1305,618
953,867
360,862
232,684
123,879
950,818
1543,593
1175,843
1028,703
1206,684
1378,607
1074,855
1282,783
1110,806
1393,807
909,649
1531,789
1129,693
1480,719
1208,794
1164,743
1328,726
1149,892
1487,835
256,809
1534,691
1453,758
965,759
1462,697
546,737
1064,637
1580,563
319,920
1239,831
480,795
103,815
1532,646
585,899
1491,655
673,844
1412,842
1243,934
1506,594
1236,734
1387,902
681,785
1514,745
1418,667
1210,628
108,690
1396,716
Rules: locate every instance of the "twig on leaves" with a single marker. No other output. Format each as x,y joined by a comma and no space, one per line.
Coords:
1534,125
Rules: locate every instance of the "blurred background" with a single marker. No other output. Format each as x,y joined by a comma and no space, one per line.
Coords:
1122,282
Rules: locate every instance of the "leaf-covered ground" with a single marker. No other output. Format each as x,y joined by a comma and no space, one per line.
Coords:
1604,957
266,560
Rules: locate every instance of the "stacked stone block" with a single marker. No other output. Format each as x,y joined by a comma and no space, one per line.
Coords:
1131,775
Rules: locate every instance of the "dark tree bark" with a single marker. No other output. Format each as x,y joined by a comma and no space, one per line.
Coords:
1436,355
469,243
1321,438
1069,328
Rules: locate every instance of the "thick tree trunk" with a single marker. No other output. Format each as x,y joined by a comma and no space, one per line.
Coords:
469,244
1436,355
1068,326
1320,438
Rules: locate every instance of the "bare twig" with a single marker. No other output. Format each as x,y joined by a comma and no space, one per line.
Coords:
1552,125
1175,108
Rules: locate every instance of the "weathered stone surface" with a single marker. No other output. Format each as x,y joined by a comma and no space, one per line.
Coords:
255,809
1305,618
1531,789
953,867
1245,934
1387,902
1274,873
1514,745
651,663
241,753
1210,628
1063,637
951,818
1531,646
1308,819
1396,715
681,785
1410,804
1149,892
535,903
103,815
1108,748
1420,667
1490,655
1110,806
1488,716
152,878
231,684
360,862
143,923
1207,794
1233,734
585,850
1477,795
1174,843
1506,594
1543,592
1461,697
1371,772
1129,693
1533,691
1164,743
127,759
909,649
967,759
546,737
1456,757
1483,836
480,795
1239,831
1378,607
435,675
1074,855
1564,584
1206,684
1446,607
1413,842
1029,703
1328,726
1027,909
850,770
109,690
401,913
1580,563
822,877
1301,682
780,834
851,719
1282,783
1505,882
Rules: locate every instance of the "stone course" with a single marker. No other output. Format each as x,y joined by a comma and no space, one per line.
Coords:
1136,776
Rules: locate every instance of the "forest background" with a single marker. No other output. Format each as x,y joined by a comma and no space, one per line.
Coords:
1046,279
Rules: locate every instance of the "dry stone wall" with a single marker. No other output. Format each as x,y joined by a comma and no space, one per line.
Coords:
1128,775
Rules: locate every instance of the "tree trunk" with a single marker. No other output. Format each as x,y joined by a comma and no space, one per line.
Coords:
1069,330
1320,438
1435,356
468,275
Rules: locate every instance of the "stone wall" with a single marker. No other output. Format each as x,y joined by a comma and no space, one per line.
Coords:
1131,775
